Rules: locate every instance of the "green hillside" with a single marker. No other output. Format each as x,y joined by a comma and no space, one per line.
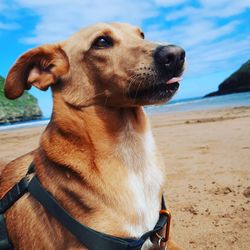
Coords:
239,81
22,109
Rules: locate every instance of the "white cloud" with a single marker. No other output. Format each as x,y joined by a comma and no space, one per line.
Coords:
2,6
168,3
209,9
205,53
8,26
7,21
207,30
61,18
210,33
215,3
193,34
225,55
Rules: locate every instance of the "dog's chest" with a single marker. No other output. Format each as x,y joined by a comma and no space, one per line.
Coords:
145,180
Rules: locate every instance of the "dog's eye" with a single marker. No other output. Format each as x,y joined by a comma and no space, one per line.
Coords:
102,42
142,35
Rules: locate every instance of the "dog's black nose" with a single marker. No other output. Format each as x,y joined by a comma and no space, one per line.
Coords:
170,57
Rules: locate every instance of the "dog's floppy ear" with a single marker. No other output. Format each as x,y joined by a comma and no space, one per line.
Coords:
41,67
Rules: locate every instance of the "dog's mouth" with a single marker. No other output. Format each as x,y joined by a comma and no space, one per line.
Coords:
162,91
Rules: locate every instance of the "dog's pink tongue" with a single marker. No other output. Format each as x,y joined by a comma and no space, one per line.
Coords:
174,79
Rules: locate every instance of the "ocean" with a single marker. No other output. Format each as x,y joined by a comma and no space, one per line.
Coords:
199,103
182,105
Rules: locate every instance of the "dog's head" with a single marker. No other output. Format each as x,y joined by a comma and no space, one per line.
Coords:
105,64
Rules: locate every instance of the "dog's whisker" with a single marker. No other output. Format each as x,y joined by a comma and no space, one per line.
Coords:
99,94
137,89
133,79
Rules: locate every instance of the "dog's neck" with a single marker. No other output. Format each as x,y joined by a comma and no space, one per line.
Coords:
113,151
93,132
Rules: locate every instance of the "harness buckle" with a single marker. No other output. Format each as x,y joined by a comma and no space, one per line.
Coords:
168,214
161,240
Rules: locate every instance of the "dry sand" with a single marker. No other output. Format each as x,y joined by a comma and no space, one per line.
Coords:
207,156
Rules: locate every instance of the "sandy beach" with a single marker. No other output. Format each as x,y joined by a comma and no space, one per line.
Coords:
207,158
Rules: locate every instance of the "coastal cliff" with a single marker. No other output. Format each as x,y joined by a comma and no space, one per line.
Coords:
24,108
239,81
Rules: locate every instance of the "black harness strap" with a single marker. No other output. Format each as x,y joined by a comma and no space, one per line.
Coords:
4,239
6,202
88,237
14,194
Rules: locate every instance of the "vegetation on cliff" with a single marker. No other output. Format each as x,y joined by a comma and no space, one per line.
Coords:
24,108
239,81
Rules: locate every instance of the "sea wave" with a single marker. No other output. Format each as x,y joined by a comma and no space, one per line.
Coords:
27,124
199,103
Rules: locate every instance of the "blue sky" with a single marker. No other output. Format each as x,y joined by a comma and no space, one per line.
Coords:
215,33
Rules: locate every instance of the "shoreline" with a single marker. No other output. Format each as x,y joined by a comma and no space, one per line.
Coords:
26,124
45,121
176,106
207,159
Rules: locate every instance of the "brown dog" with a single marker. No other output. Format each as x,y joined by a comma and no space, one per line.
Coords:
97,156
